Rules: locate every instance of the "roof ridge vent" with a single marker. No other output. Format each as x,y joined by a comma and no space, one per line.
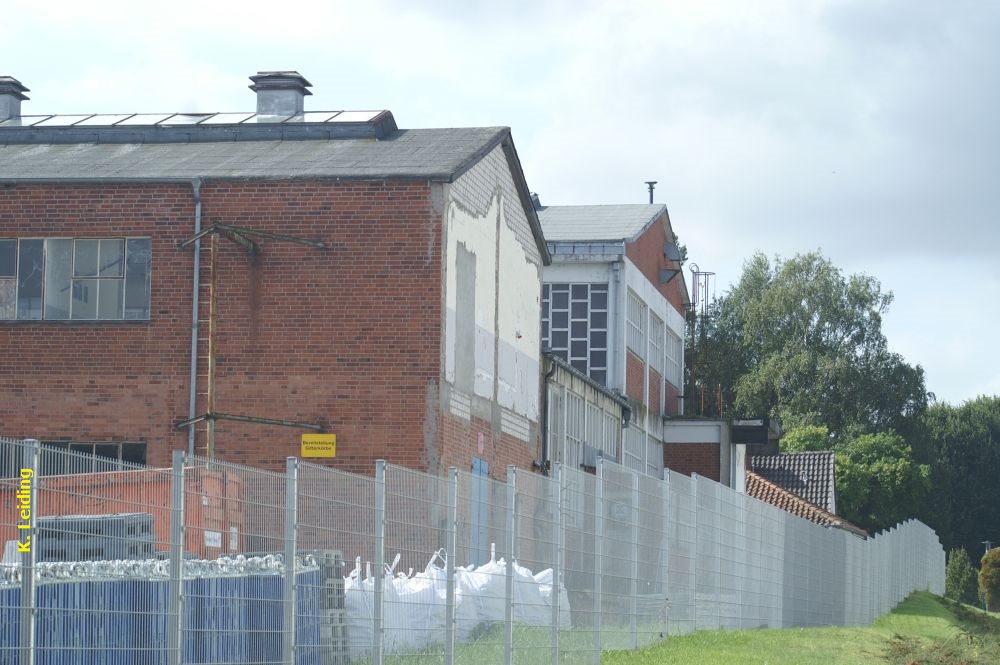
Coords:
11,96
280,93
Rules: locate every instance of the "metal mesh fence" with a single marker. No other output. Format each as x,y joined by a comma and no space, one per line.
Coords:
213,562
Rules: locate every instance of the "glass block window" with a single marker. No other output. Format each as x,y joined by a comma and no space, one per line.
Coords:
675,354
656,329
635,337
96,279
575,326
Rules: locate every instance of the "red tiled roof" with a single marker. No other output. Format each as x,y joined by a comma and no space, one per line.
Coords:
766,491
809,475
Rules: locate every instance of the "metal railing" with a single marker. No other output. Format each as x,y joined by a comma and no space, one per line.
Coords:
214,562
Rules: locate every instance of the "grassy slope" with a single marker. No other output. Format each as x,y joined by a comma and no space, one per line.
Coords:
921,631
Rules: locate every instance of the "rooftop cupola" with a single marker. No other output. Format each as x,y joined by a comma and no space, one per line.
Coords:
280,93
11,96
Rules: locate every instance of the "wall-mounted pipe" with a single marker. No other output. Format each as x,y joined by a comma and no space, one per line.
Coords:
196,286
545,466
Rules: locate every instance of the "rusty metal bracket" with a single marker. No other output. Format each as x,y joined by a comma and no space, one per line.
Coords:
238,235
247,419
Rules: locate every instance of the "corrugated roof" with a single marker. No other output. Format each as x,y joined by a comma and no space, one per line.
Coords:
434,154
764,490
597,222
809,475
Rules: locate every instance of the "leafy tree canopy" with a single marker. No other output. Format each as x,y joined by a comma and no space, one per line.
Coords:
799,341
962,445
878,481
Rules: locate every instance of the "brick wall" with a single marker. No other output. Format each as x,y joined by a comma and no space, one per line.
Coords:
646,252
460,439
635,377
122,381
688,458
655,385
672,407
348,337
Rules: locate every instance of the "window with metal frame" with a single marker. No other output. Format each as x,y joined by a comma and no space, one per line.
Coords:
656,329
78,279
675,354
635,337
612,427
575,326
634,449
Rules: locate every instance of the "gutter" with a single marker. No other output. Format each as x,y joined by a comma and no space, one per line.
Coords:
545,419
196,284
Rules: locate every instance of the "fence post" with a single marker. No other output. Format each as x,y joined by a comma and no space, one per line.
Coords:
291,533
665,553
29,466
175,636
379,561
452,553
508,633
634,620
598,564
556,485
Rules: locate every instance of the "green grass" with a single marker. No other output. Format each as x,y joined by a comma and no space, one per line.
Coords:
923,630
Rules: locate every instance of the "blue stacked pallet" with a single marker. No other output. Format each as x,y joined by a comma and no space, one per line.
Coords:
308,619
111,622
125,622
217,621
266,618
10,625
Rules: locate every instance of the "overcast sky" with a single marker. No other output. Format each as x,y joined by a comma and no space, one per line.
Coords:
869,129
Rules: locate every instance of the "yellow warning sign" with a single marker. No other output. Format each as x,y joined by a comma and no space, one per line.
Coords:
319,445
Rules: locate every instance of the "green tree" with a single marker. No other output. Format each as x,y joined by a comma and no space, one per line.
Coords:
802,343
989,579
962,446
960,577
878,482
806,438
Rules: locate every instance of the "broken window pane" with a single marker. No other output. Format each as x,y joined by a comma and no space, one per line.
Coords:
112,254
29,279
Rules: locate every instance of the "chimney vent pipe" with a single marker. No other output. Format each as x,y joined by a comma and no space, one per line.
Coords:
11,96
280,93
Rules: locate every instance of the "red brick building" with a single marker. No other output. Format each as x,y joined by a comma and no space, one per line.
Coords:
264,275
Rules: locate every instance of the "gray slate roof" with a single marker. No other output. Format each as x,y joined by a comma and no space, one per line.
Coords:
807,475
433,154
597,222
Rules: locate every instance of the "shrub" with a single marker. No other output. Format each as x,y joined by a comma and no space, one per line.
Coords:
989,579
960,577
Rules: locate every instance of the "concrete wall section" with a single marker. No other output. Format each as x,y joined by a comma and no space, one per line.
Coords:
493,280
